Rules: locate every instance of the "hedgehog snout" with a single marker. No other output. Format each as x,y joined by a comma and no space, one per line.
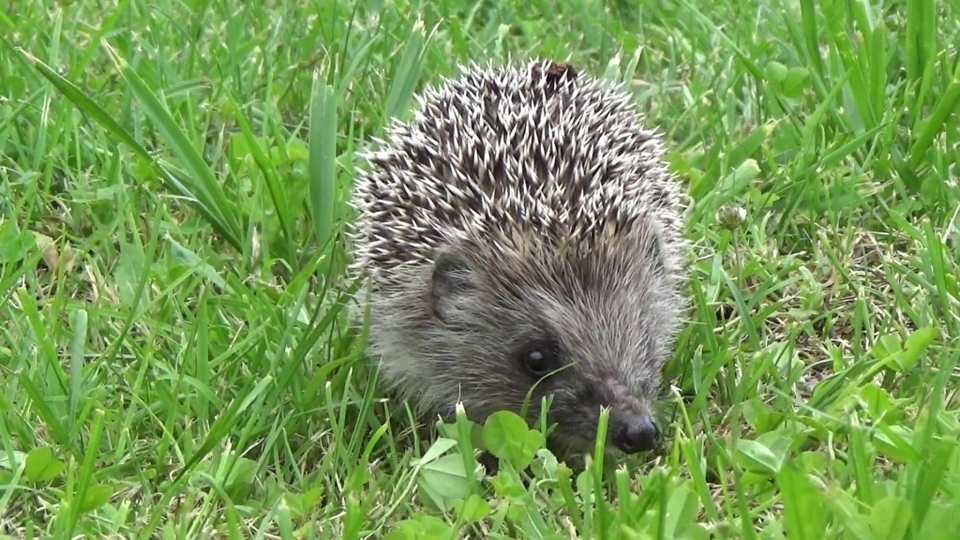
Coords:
631,427
633,433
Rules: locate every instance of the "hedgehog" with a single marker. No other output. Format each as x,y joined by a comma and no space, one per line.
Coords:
520,237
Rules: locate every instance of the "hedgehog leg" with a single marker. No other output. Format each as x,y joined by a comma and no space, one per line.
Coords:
489,462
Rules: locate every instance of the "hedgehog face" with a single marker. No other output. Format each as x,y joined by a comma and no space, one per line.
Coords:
589,332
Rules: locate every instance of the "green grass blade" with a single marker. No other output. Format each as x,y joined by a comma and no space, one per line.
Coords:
934,125
205,187
88,106
406,74
323,158
275,188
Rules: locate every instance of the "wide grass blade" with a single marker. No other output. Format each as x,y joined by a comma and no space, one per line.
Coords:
406,73
921,37
323,158
934,125
210,207
226,215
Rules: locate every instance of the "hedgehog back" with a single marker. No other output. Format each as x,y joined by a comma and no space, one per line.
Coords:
499,153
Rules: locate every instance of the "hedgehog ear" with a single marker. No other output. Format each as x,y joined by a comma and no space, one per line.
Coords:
452,280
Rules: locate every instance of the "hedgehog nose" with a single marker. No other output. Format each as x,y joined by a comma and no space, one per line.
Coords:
636,433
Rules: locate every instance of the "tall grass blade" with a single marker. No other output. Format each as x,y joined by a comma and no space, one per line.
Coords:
323,158
226,214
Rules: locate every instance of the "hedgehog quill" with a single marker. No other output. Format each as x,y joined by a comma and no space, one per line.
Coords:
521,222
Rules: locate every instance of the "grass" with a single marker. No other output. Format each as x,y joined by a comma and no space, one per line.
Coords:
175,361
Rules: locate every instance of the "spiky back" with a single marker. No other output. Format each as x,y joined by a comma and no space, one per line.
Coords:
502,153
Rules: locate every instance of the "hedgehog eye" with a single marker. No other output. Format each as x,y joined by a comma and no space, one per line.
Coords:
538,357
536,362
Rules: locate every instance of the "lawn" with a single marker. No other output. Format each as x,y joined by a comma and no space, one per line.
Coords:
175,356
